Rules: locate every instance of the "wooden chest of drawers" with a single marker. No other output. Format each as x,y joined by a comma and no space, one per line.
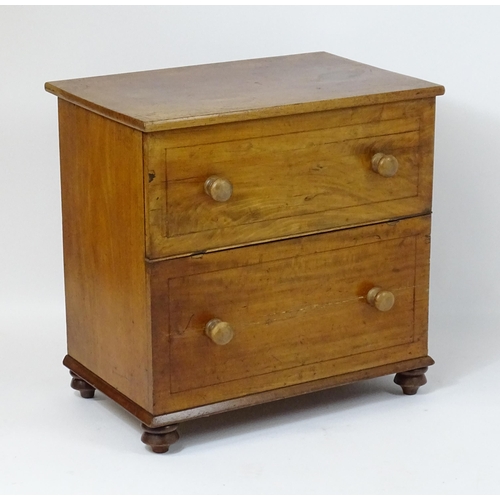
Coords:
242,232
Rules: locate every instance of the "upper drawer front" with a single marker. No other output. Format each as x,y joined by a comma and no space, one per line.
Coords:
289,176
298,308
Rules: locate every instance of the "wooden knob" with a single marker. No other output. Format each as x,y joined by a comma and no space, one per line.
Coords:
218,188
385,165
383,300
219,331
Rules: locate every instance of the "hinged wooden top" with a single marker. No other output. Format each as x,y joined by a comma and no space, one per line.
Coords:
241,90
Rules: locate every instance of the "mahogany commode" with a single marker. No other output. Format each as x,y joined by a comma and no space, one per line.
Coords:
242,232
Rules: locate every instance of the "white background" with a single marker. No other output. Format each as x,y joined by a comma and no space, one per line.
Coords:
364,438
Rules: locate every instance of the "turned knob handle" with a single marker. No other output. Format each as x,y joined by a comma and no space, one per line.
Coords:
219,331
381,299
385,165
218,188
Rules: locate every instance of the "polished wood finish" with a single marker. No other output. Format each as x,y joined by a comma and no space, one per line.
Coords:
241,90
95,381
411,380
298,308
298,175
85,389
243,232
256,398
106,284
160,438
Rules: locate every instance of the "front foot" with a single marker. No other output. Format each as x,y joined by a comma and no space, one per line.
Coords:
160,438
411,380
86,390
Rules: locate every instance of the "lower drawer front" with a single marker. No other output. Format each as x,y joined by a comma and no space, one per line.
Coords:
294,306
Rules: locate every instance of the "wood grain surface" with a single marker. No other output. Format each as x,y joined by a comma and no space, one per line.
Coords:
298,309
240,90
107,293
186,298
290,176
161,419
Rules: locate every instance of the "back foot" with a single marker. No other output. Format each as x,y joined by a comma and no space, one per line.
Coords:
411,380
86,390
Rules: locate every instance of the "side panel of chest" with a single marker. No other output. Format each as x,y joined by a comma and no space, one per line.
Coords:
107,299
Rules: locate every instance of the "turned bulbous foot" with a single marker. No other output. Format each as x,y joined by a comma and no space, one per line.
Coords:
86,390
411,380
160,438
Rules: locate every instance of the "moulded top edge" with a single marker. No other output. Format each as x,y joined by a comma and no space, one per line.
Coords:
240,90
